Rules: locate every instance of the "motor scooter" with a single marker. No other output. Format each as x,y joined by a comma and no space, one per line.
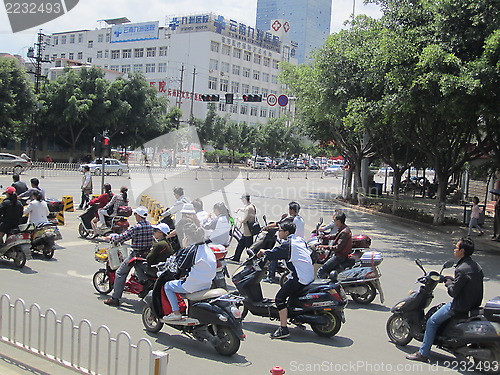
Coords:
116,224
320,304
17,248
43,237
220,252
212,314
475,336
104,279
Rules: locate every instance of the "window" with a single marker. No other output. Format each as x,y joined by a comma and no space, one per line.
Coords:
272,113
150,68
54,56
255,90
72,38
127,53
151,52
100,38
137,68
212,83
263,112
248,56
246,72
106,54
162,51
80,55
256,59
237,53
233,108
274,79
63,55
253,111
224,84
125,68
256,75
245,88
56,40
71,56
267,61
162,67
63,39
236,70
114,67
244,109
90,44
222,107
264,93
226,50
214,46
235,87
139,52
224,67
265,77
108,38
213,65
275,64
80,38
99,54
115,54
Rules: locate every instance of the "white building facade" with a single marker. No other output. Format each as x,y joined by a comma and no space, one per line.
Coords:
188,57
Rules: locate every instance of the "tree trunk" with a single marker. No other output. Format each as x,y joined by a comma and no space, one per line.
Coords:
347,193
396,183
441,199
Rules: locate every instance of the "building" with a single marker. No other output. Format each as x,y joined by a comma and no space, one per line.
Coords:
307,22
188,57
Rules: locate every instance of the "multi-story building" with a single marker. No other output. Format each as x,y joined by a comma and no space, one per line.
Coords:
188,57
307,22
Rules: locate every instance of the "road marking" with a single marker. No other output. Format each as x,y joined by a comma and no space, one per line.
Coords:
74,273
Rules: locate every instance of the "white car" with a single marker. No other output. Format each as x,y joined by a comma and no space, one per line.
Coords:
333,170
110,166
13,163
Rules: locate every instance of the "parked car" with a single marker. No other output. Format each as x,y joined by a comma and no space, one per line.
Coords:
389,170
260,163
12,163
110,166
333,170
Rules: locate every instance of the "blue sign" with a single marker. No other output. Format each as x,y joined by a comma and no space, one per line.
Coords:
282,100
134,31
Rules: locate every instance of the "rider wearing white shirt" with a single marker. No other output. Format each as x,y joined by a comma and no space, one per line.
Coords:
37,210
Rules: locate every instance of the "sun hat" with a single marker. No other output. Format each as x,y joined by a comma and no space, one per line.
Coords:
141,211
162,227
188,208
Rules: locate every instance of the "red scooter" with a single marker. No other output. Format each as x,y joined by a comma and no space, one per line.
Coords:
104,278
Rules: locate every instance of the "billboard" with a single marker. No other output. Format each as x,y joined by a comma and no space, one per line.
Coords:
131,32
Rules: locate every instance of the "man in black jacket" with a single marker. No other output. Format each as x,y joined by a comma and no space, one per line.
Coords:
466,288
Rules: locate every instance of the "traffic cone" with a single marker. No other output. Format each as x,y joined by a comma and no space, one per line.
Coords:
60,218
68,203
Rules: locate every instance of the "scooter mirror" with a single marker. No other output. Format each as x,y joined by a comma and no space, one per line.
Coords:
419,264
264,217
448,264
333,276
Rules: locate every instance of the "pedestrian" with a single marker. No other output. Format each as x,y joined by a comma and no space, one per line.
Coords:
466,289
19,185
141,235
246,240
496,221
86,187
474,217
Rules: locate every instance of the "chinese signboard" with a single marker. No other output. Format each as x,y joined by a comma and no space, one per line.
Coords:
134,31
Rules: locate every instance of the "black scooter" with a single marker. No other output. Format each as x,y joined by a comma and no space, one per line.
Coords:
476,336
212,315
320,304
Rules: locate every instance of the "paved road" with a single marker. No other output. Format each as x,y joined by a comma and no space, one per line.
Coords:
361,346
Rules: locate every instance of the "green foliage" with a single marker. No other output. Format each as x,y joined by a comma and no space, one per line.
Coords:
225,156
17,100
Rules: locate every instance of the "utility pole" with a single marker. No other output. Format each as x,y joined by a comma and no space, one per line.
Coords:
179,100
191,118
37,60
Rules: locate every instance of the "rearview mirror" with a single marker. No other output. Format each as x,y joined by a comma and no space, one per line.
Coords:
419,264
448,264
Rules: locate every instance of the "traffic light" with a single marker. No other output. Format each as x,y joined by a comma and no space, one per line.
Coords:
252,98
106,147
229,98
98,145
210,98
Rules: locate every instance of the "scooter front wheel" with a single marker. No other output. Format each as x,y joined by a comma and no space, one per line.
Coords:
398,330
101,282
150,321
19,258
229,343
366,298
331,328
48,251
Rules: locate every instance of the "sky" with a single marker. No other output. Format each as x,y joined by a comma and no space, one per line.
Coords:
86,13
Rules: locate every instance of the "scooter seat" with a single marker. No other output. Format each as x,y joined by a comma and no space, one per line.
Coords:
206,294
315,284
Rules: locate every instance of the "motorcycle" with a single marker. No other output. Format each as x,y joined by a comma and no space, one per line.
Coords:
104,279
212,315
476,336
359,275
17,248
320,304
116,224
43,237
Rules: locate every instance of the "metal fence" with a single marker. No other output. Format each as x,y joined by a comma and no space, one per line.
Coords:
76,346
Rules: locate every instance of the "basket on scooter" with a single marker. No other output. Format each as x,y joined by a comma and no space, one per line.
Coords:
112,254
370,258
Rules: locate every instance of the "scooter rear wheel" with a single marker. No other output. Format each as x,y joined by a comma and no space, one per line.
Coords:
150,321
82,231
20,258
366,298
331,328
101,282
492,364
48,252
229,343
398,330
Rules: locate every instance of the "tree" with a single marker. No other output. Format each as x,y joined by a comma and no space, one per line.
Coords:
17,101
239,137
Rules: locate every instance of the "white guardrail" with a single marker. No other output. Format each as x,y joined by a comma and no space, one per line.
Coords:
76,346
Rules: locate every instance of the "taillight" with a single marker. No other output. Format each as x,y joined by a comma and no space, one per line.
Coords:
370,275
26,236
335,294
